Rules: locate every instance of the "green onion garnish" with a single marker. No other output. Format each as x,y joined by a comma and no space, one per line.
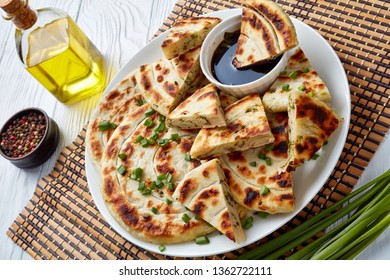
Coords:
185,218
138,139
311,93
305,70
293,74
201,240
175,137
162,142
154,210
261,156
253,163
171,186
286,87
154,136
149,112
247,223
160,127
168,201
121,169
187,157
169,177
161,177
315,156
146,191
264,190
106,125
145,143
140,102
122,156
152,185
302,87
262,215
268,161
282,73
148,123
141,186
161,118
159,184
136,174
161,248
269,147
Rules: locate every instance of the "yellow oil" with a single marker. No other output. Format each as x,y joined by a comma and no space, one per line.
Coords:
65,62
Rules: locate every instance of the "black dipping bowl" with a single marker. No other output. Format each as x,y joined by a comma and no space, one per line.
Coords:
43,150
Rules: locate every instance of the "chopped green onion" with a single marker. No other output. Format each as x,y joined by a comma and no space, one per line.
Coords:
283,73
140,102
264,190
305,70
122,156
261,156
324,93
247,223
154,210
286,87
187,157
148,123
171,186
311,93
253,163
168,201
159,184
161,177
154,136
168,177
141,186
268,161
145,143
138,139
146,191
175,136
106,125
149,112
198,218
161,118
161,248
152,185
269,147
121,169
136,174
201,240
293,74
160,127
262,215
185,218
162,142
302,87
315,156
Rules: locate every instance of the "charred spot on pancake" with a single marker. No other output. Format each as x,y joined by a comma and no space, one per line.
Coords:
111,150
206,95
170,89
160,78
251,196
145,82
108,186
236,156
281,149
188,186
308,147
198,208
185,145
128,214
286,197
207,193
112,95
166,43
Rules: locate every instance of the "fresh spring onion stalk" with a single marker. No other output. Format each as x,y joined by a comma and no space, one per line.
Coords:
369,216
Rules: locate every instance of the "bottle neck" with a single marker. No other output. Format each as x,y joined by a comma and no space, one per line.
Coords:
19,12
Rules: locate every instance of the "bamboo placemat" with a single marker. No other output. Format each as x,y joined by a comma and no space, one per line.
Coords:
61,220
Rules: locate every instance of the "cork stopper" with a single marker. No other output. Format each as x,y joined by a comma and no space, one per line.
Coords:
19,12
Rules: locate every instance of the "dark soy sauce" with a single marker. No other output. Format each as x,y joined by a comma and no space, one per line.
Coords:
226,73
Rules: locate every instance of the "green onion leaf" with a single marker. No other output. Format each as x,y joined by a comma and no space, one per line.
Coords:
122,156
154,210
302,87
264,190
148,123
138,139
141,186
286,87
171,186
140,102
201,240
175,136
262,215
187,157
152,185
315,156
106,125
169,177
136,174
253,163
162,142
161,177
293,74
149,112
283,73
161,118
305,70
146,191
159,184
160,127
121,169
269,147
146,216
168,201
145,143
311,93
161,248
268,161
261,156
185,218
154,136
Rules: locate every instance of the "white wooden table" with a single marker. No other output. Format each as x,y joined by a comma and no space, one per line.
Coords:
119,28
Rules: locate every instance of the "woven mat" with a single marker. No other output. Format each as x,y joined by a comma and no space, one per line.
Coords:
61,220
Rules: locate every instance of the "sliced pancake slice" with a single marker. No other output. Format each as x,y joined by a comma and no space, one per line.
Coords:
257,42
204,192
187,34
311,122
299,75
164,83
125,97
246,127
257,178
280,21
202,109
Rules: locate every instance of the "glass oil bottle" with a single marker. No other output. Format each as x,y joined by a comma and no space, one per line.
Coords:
56,51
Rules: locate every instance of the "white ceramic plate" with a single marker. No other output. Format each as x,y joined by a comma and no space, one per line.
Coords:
307,179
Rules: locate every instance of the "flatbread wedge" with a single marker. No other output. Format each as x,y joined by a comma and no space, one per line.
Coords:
266,33
257,42
138,179
113,107
258,178
246,127
204,192
187,34
201,109
164,83
299,75
311,123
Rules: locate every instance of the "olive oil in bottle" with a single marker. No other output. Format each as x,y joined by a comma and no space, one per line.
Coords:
56,52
